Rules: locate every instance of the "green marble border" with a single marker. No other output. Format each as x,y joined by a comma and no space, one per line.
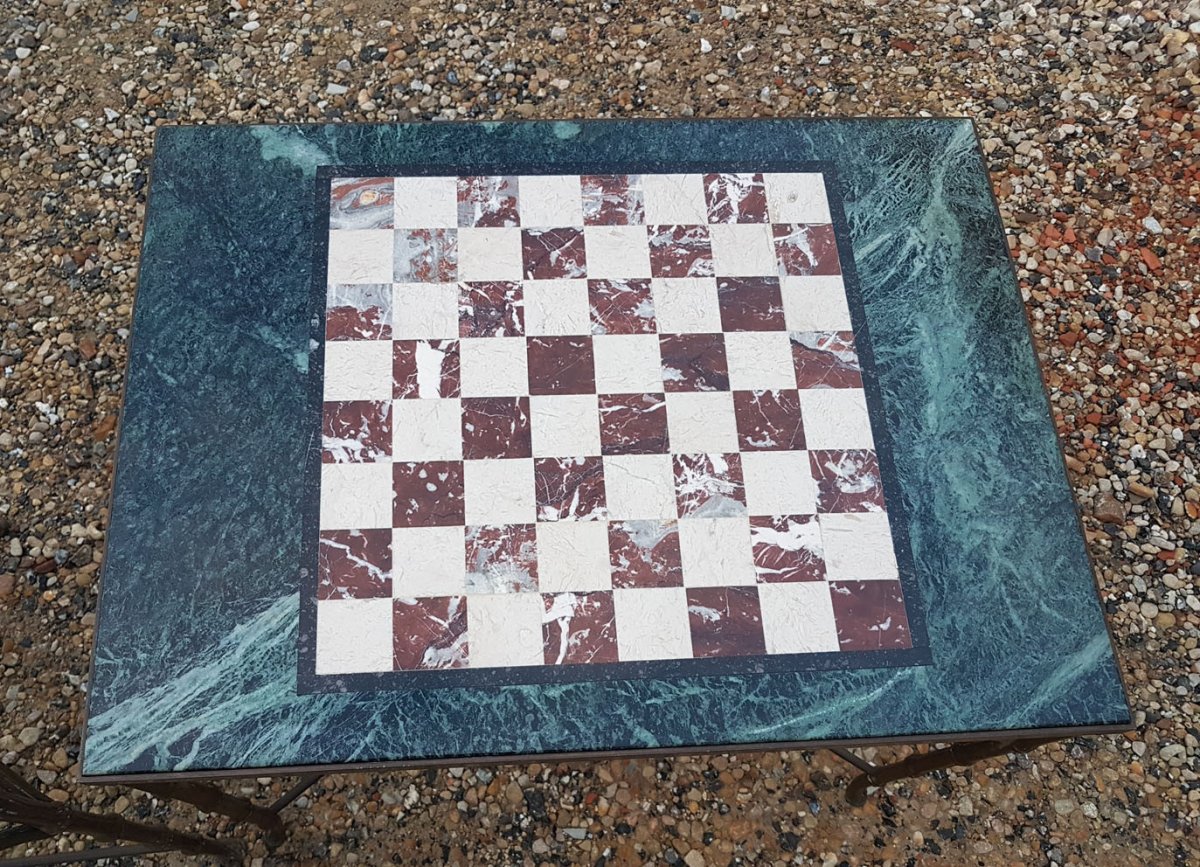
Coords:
195,660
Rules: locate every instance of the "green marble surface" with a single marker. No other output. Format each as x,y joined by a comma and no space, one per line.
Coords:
195,657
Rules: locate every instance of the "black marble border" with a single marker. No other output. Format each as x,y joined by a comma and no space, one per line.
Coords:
308,681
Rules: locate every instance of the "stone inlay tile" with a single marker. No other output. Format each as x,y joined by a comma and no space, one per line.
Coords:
361,203
645,554
787,548
358,311
847,481
354,431
826,360
496,427
736,198
803,250
488,202
621,307
425,369
425,256
709,486
680,251
612,420
494,309
430,633
633,424
870,615
553,253
694,362
354,564
579,628
769,420
561,365
725,621
750,304
501,559
613,200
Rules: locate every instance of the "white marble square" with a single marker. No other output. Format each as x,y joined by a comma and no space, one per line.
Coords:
360,256
835,418
686,304
550,201
815,304
652,623
426,203
356,496
797,197
499,492
427,430
358,370
675,200
504,629
573,556
564,425
759,360
627,363
798,617
701,422
557,307
424,311
858,546
743,250
354,635
616,251
779,483
639,487
493,366
717,552
489,254
428,561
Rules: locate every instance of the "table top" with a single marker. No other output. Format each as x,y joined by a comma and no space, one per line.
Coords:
447,442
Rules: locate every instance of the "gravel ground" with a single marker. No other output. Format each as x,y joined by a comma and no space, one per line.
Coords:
1086,110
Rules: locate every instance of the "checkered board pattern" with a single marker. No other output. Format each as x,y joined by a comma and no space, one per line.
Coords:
580,420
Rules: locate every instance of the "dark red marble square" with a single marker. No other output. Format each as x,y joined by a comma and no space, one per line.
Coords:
787,548
429,633
870,615
579,628
645,554
694,362
680,251
428,494
491,310
633,424
847,481
356,431
354,564
425,369
548,254
361,203
750,304
768,420
425,256
488,202
561,365
825,359
502,559
496,427
570,489
725,621
613,200
358,312
736,198
621,307
709,486
803,250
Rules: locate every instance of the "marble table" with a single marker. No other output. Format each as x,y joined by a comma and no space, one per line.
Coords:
458,443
